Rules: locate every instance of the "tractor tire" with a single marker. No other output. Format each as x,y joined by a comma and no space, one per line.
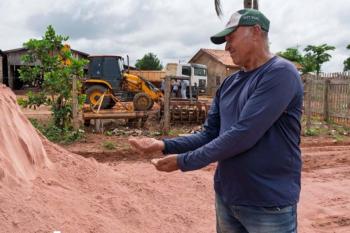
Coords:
142,102
95,92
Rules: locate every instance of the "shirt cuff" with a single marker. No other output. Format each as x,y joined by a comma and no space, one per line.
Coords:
181,162
165,150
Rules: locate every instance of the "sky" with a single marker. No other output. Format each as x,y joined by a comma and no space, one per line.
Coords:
173,30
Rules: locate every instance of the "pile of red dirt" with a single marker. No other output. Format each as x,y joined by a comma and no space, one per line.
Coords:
21,149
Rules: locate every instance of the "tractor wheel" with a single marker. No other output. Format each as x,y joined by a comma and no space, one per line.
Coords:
142,102
95,92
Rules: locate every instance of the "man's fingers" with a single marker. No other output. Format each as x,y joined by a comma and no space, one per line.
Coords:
134,142
160,164
155,162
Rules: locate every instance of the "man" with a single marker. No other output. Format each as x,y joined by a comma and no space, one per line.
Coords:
184,84
162,86
175,87
252,131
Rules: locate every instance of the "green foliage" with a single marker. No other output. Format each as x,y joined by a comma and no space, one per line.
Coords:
108,133
56,134
347,61
318,55
313,58
308,64
292,54
34,100
312,132
55,73
149,62
108,145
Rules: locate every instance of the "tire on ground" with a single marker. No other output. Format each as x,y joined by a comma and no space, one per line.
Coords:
142,102
95,92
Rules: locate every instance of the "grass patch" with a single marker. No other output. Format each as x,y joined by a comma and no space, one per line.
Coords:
109,145
58,135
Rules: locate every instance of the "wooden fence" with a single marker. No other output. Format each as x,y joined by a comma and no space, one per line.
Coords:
327,96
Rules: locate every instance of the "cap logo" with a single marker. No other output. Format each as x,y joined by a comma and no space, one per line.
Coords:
234,20
251,17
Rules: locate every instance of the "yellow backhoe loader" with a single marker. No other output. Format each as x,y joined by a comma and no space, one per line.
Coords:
108,82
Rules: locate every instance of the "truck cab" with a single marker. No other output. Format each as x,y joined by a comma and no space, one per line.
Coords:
197,73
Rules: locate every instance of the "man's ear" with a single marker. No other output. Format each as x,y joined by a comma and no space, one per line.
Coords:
257,31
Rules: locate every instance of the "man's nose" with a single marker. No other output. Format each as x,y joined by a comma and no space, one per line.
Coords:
227,46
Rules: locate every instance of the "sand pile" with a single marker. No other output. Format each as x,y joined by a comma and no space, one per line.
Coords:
21,149
69,193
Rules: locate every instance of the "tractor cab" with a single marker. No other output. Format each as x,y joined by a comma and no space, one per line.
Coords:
107,70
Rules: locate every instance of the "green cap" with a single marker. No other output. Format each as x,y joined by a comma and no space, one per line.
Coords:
245,17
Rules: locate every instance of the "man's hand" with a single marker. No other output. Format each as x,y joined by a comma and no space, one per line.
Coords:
166,164
147,145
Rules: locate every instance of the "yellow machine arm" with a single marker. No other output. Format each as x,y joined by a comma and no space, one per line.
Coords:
134,83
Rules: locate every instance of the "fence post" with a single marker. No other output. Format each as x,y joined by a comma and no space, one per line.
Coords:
308,102
75,104
326,100
167,92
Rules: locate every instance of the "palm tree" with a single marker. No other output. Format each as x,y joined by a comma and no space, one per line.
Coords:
246,4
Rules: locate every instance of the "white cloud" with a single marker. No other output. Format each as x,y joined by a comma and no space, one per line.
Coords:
174,30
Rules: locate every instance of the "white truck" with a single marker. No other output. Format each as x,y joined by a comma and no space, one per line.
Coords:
197,72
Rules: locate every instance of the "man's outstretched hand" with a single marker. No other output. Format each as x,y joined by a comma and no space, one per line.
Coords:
166,164
150,145
146,145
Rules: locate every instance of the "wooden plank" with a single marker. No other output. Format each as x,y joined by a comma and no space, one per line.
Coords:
117,115
339,82
326,101
308,103
340,115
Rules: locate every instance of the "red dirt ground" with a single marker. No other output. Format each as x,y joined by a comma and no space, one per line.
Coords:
120,191
325,198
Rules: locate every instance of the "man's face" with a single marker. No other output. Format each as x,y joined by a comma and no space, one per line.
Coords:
239,44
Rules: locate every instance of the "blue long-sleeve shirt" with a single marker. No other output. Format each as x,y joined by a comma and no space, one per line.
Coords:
253,132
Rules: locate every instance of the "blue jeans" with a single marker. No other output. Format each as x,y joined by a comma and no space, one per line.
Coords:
251,219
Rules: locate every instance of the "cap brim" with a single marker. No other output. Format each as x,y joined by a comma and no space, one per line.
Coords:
220,37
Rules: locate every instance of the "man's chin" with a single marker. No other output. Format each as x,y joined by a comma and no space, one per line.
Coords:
235,60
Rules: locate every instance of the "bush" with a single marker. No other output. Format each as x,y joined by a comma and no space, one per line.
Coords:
58,135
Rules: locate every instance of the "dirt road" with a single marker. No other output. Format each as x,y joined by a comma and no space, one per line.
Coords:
325,198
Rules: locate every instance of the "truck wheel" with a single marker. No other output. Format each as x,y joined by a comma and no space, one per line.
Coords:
95,92
142,102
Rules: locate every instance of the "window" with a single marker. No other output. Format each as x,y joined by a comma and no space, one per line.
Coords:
186,70
200,72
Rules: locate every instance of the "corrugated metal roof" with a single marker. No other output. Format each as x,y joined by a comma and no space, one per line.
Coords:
24,49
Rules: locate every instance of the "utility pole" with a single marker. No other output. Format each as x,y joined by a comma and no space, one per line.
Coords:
254,4
251,4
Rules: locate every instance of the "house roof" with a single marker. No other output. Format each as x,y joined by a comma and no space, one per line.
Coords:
25,49
224,57
219,55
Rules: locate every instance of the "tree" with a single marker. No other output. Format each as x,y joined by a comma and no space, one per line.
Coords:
246,4
55,73
149,62
347,61
292,54
318,54
308,64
